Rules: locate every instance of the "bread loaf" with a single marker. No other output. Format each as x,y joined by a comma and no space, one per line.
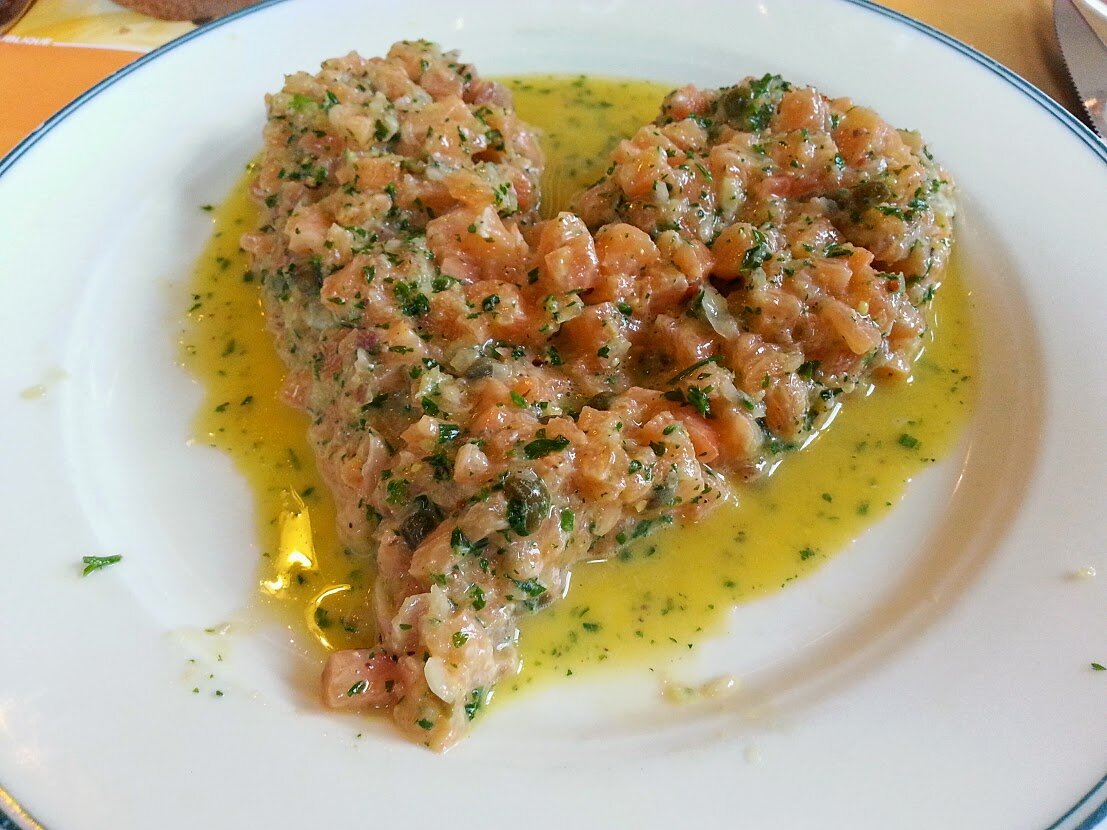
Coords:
186,9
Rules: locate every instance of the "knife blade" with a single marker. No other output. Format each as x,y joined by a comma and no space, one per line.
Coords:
1095,12
1086,59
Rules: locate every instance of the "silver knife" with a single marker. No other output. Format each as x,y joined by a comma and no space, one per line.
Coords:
1085,50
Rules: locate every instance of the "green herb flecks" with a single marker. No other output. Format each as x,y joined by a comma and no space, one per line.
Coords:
96,563
699,364
757,255
698,398
475,702
542,446
358,688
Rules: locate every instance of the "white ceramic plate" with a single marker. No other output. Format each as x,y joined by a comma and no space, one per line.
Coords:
936,675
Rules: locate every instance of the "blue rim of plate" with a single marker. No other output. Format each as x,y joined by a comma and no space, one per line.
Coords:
1086,813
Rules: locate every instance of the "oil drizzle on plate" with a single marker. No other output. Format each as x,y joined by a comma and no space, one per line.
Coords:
663,594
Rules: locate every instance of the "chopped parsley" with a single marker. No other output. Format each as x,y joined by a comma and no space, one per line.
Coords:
542,446
699,364
758,254
808,368
909,441
531,587
412,302
397,491
473,705
359,688
477,595
698,398
95,563
751,106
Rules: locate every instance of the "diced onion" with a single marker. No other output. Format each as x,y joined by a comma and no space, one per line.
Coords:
717,314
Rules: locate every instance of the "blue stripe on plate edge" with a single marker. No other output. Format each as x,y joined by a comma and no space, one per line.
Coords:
1074,125
1091,820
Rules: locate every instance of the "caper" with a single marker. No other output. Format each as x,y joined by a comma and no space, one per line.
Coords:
867,194
528,501
664,494
479,368
751,106
735,101
423,519
525,485
601,401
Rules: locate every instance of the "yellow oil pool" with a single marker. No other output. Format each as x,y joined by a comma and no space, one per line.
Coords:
666,593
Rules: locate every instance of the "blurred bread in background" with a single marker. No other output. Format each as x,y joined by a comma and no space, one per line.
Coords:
186,9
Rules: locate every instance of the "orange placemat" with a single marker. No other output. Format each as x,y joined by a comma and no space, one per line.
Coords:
38,80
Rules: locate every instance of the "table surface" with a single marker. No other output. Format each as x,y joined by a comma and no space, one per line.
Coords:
1017,33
